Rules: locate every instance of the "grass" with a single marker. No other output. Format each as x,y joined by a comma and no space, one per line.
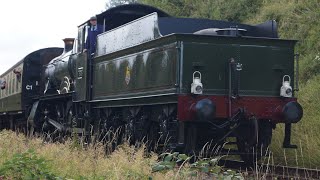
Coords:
69,161
305,133
32,158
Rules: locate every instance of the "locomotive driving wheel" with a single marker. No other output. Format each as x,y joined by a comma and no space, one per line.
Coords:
57,113
71,120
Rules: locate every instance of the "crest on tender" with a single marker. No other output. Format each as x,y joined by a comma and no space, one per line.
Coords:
127,78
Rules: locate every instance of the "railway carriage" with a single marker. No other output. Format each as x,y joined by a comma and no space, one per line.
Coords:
177,82
21,84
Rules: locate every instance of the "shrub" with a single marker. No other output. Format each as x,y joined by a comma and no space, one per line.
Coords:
26,165
182,165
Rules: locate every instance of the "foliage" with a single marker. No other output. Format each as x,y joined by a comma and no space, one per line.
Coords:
169,161
172,161
298,20
47,160
26,165
235,10
114,3
79,162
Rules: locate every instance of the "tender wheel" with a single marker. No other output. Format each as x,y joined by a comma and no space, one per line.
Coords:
247,139
253,139
137,128
168,132
190,139
112,129
129,130
265,136
153,136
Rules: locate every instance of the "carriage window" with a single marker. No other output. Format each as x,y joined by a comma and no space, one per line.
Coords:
17,84
7,84
0,91
13,78
4,87
10,84
18,81
14,83
20,84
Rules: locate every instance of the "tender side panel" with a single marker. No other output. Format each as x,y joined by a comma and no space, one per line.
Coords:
211,60
263,65
146,73
264,68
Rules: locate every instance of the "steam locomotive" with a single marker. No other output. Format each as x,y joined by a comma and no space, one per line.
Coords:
178,82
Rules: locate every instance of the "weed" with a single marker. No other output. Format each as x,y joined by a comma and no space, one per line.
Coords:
182,166
26,165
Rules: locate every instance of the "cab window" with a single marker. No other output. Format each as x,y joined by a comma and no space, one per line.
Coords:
81,40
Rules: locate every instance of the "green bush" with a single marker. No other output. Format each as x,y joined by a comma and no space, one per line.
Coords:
236,10
26,165
182,163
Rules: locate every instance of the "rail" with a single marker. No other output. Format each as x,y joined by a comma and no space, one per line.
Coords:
266,171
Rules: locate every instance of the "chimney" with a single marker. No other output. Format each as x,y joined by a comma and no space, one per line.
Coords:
68,44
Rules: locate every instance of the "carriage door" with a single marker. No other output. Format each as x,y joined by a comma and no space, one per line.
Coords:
79,61
33,67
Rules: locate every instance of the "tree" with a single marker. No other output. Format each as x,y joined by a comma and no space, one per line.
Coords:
231,10
114,3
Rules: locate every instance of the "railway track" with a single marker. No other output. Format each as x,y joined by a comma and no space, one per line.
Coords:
263,171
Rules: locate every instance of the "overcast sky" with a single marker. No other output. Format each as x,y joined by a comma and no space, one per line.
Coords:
29,25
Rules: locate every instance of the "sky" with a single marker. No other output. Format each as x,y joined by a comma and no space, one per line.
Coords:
29,25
